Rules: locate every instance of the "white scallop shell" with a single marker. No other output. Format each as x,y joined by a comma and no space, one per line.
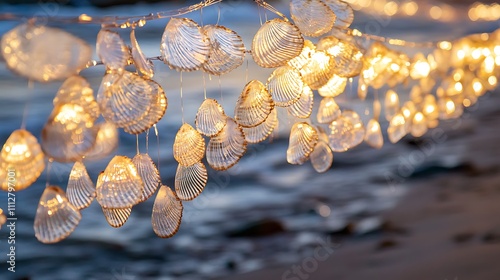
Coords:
189,146
105,143
373,136
322,157
226,149
190,180
167,213
328,110
334,87
112,50
343,11
303,139
303,107
149,175
144,65
76,89
210,118
81,189
116,217
254,105
397,128
300,60
227,50
318,70
285,85
313,17
260,133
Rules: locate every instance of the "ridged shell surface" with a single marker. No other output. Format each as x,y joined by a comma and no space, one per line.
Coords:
303,139
81,189
149,175
167,213
312,17
285,86
189,145
254,105
227,148
210,118
190,180
227,50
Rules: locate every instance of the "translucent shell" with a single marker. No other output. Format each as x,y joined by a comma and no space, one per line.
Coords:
43,53
120,185
303,107
419,125
69,133
55,218
348,57
397,128
145,66
105,143
210,118
227,50
321,157
112,50
328,110
318,70
149,174
116,217
312,17
391,104
307,51
254,105
189,146
78,91
167,213
81,189
334,87
22,154
260,133
276,42
190,180
346,132
343,11
373,136
183,45
285,86
359,128
227,148
303,139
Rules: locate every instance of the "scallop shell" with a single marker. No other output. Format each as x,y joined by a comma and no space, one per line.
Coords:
210,118
303,139
227,148
373,136
120,185
189,146
328,110
313,17
334,87
362,88
112,50
190,180
64,55
276,42
347,55
318,70
227,50
321,157
307,51
343,11
303,107
167,213
359,127
254,105
69,133
391,104
144,65
262,131
149,175
81,189
322,136
116,217
285,85
397,128
55,218
419,125
183,45
105,143
78,91
22,154
346,132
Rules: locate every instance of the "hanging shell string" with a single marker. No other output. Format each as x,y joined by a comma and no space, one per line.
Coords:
137,142
218,15
31,87
158,146
49,167
376,106
182,102
147,141
246,71
204,86
220,89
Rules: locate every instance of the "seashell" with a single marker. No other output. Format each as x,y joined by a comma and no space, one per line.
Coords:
69,133
303,107
328,110
116,217
343,11
149,174
227,148
285,86
276,42
55,218
260,133
322,135
305,55
373,136
254,105
189,146
81,189
391,104
112,50
318,70
362,88
321,157
419,125
105,142
77,90
190,180
32,52
167,213
397,128
183,45
227,50
303,139
346,132
144,65
377,107
210,118
22,157
120,185
334,87
312,17
359,127
347,56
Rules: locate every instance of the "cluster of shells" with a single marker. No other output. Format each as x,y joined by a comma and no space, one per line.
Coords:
450,78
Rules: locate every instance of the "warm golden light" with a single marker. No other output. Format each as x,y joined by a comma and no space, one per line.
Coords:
391,8
410,8
436,12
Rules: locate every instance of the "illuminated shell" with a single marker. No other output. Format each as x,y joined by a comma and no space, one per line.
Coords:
149,174
116,217
303,139
328,110
183,45
343,11
105,143
322,157
81,189
22,157
112,50
69,133
227,148
359,127
43,53
260,133
55,218
210,118
285,86
346,132
391,104
318,70
334,87
190,180
78,91
254,105
313,17
227,50
397,128
276,42
189,146
419,125
307,51
144,65
303,107
373,136
120,185
362,88
167,213
348,57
